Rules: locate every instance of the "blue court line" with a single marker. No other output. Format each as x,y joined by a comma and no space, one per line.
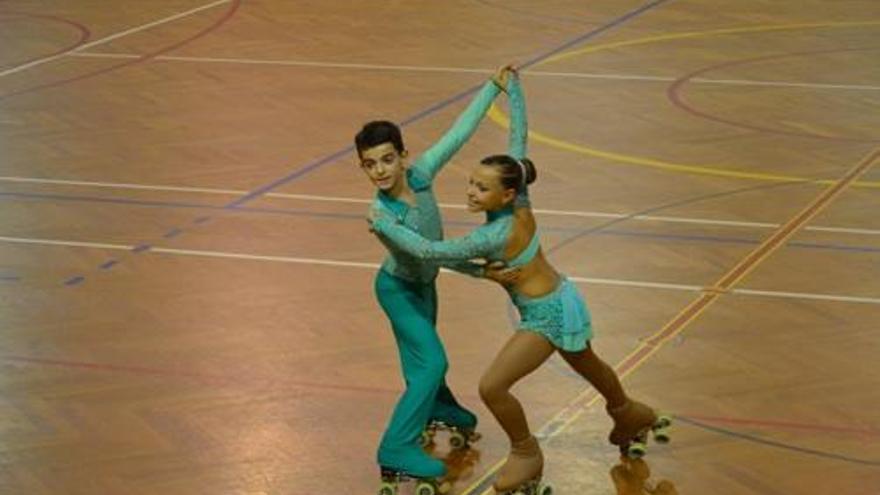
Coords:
603,229
576,232
302,171
172,233
108,264
679,202
439,106
738,240
778,445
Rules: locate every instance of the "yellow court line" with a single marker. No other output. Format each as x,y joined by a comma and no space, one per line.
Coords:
702,34
497,116
650,346
679,323
733,276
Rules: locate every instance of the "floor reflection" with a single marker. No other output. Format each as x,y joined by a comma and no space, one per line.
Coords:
633,477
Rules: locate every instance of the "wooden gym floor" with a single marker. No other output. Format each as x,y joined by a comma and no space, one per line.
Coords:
186,275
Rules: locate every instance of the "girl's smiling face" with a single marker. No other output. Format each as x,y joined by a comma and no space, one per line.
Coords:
485,191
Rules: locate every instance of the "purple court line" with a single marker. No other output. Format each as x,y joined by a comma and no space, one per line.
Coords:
108,264
172,233
140,248
603,229
778,445
302,171
675,94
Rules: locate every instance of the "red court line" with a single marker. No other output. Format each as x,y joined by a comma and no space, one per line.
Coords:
84,33
241,380
219,22
206,378
676,96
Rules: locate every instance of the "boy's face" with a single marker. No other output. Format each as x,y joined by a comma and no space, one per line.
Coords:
385,167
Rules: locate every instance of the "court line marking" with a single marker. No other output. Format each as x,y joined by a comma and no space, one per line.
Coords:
219,2
574,232
343,199
500,119
296,174
466,70
650,346
111,37
374,266
725,283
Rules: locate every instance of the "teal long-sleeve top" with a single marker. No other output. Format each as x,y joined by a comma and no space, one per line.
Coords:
487,241
423,217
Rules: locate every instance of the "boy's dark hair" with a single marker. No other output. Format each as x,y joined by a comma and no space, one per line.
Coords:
515,174
379,132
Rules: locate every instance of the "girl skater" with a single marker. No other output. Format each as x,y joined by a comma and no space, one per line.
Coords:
553,316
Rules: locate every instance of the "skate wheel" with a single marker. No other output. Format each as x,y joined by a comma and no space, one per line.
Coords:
661,429
636,450
663,421
661,435
544,489
457,440
425,489
388,489
426,438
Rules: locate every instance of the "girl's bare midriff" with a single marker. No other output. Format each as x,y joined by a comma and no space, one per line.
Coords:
537,278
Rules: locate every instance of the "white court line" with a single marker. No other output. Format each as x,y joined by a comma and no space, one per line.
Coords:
111,38
804,295
374,266
637,284
465,70
341,199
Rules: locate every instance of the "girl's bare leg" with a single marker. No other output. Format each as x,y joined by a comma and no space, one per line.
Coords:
630,416
601,376
521,355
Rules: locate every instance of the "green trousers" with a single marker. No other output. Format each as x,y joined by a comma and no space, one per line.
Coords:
412,309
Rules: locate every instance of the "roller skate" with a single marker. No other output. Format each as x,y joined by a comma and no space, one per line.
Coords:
460,423
521,473
392,479
633,423
401,466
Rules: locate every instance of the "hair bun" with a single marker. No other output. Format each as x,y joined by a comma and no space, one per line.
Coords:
531,171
